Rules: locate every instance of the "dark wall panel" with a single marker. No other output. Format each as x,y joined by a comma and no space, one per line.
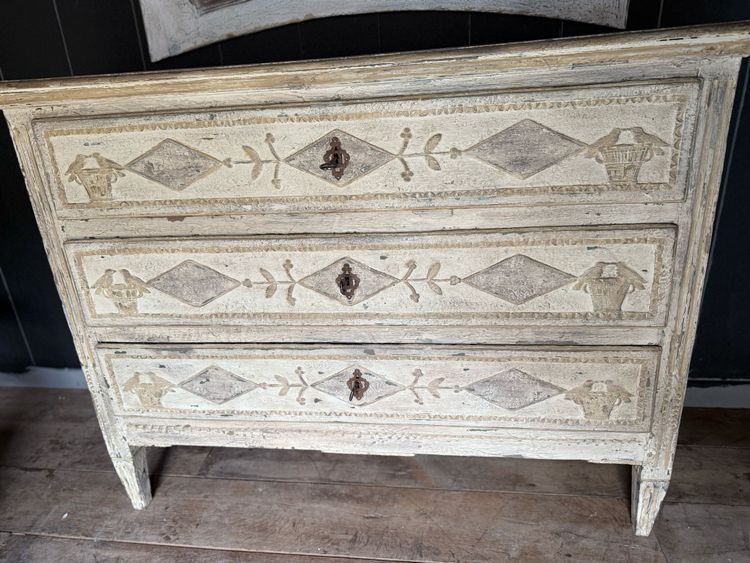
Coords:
340,36
722,347
413,31
101,36
27,272
693,12
31,42
14,354
487,29
270,46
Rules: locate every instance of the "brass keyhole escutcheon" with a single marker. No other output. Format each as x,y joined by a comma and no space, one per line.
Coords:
336,159
347,281
357,385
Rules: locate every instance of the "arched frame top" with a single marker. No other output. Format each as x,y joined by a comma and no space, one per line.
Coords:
181,25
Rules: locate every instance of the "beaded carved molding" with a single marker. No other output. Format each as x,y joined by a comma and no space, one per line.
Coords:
515,387
611,277
621,144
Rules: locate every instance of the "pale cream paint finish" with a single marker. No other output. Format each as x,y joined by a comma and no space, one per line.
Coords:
451,278
452,385
596,260
428,153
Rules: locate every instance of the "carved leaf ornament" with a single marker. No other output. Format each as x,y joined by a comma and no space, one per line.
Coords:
512,389
516,280
347,158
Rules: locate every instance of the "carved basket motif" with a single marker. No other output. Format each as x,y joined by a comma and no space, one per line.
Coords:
96,174
598,399
624,151
608,283
623,162
125,298
123,292
608,294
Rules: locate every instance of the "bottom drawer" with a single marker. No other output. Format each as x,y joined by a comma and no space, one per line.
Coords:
532,387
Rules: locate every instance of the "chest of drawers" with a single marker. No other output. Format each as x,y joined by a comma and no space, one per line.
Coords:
491,251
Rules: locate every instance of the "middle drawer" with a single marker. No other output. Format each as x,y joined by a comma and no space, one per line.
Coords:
556,276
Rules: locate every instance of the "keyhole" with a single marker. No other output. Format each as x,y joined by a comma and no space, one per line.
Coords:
347,281
357,385
336,159
331,164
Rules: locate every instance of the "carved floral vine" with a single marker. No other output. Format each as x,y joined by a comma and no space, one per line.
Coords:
622,152
596,398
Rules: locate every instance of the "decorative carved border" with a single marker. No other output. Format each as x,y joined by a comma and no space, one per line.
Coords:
659,282
648,370
421,198
237,431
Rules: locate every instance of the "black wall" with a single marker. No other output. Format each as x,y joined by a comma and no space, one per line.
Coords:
46,38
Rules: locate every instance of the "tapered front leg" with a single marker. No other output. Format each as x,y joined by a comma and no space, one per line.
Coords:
132,468
647,495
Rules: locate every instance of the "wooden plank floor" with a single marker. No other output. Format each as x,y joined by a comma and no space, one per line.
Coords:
61,501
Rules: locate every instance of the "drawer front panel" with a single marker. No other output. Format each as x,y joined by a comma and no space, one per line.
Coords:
618,278
590,388
594,144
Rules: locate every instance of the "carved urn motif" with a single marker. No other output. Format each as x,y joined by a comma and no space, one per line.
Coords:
149,388
608,283
122,288
624,151
598,398
96,174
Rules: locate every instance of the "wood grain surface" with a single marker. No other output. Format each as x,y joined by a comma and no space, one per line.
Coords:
227,504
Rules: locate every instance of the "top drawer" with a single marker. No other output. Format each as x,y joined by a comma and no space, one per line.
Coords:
601,144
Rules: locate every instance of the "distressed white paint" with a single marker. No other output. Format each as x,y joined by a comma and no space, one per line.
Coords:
603,240
181,25
430,153
252,285
425,385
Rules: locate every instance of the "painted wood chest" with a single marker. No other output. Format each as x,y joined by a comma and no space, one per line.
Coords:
490,251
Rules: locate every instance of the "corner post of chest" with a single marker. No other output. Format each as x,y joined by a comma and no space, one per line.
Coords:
130,462
132,469
647,494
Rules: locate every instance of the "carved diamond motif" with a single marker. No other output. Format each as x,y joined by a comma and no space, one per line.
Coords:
519,279
525,149
217,385
514,389
363,158
379,387
371,281
173,164
193,283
